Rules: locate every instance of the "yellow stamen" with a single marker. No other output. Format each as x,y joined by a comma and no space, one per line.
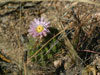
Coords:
39,28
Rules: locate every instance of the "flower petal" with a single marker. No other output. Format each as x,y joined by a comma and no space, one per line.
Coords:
36,23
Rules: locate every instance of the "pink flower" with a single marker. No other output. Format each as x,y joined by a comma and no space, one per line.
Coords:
39,28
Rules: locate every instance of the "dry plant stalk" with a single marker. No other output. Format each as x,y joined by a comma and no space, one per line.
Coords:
89,69
72,51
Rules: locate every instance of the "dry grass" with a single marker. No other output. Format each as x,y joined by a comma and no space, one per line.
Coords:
80,15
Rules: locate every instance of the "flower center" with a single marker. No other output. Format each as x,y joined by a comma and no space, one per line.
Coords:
39,28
